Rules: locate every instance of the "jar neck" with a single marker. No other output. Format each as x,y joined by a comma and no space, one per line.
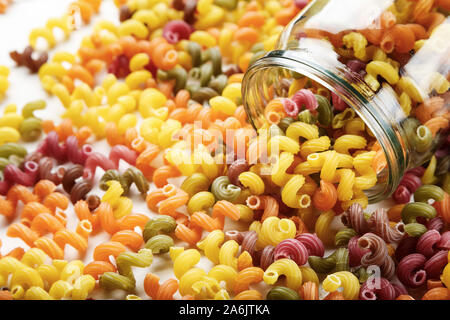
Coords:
380,112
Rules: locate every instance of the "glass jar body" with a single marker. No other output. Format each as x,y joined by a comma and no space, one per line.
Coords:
387,60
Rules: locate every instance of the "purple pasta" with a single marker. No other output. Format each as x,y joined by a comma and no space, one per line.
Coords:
382,289
355,252
338,103
97,160
312,243
235,169
405,247
435,224
444,243
290,107
435,264
411,181
427,242
27,177
379,224
418,171
304,98
410,270
356,65
354,218
291,249
4,187
46,165
399,289
301,3
378,254
401,194
52,148
176,30
74,153
121,152
249,243
266,257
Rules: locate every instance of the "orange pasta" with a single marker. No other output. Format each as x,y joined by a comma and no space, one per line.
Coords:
267,203
163,173
50,247
249,295
7,208
21,231
131,239
106,217
246,277
190,235
56,200
43,188
309,291
244,261
325,198
73,239
46,223
111,248
97,268
437,294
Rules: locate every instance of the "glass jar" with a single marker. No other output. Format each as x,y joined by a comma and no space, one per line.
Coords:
387,60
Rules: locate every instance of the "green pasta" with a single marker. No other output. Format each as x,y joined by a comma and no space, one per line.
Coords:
218,83
227,4
362,274
160,243
285,123
30,107
307,117
443,166
195,183
417,209
427,192
216,59
180,75
112,280
342,262
322,265
134,175
259,46
224,190
113,175
161,224
282,293
195,51
257,55
415,229
206,72
30,129
446,182
325,113
343,236
8,149
204,94
143,258
422,140
337,261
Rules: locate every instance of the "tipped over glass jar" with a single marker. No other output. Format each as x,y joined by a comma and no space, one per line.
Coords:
372,75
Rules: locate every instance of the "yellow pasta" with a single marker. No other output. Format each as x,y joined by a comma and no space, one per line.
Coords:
287,268
343,279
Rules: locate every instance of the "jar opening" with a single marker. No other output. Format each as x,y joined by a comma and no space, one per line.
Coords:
267,78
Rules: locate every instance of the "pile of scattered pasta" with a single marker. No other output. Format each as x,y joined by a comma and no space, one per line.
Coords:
276,213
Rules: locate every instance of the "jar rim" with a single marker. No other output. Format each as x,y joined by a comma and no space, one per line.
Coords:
369,107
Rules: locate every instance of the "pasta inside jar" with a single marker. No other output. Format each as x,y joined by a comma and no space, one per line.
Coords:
362,86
